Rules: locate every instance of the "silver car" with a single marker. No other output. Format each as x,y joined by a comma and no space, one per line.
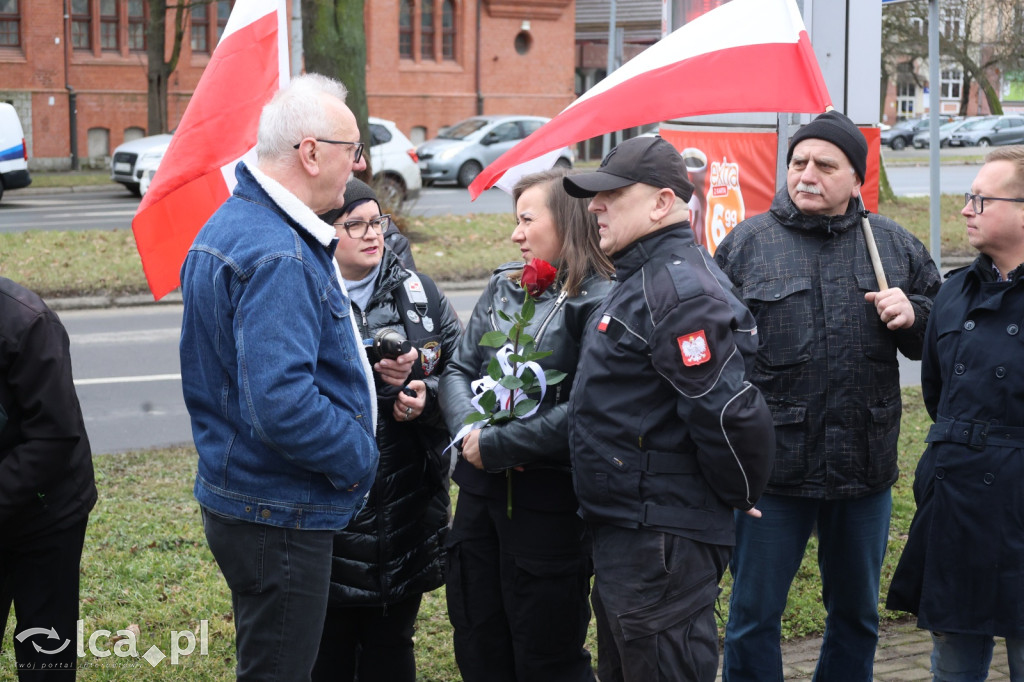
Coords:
991,130
461,151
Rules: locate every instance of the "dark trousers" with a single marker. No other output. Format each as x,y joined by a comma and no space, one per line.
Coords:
40,576
368,643
654,597
517,593
279,579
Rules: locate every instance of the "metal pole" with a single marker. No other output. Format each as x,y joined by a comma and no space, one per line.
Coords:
296,43
72,96
610,67
933,132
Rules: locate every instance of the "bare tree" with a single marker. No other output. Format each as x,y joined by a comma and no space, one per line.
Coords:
159,69
334,44
978,35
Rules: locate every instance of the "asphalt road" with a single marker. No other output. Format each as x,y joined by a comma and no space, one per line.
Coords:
113,208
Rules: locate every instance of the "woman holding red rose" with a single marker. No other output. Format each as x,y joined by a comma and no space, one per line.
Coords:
519,567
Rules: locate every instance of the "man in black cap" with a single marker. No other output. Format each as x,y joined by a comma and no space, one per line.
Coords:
827,366
667,437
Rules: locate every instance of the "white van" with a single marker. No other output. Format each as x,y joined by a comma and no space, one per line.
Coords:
13,151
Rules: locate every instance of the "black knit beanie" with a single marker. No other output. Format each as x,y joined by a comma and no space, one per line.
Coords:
836,128
356,192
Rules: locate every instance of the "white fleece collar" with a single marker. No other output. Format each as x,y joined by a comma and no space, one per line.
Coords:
298,211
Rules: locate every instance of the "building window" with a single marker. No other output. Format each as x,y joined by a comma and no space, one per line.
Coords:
951,19
137,25
427,30
200,29
448,30
81,24
952,82
223,12
10,23
109,25
405,30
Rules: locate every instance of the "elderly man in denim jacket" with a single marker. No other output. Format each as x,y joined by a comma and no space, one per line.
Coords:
277,385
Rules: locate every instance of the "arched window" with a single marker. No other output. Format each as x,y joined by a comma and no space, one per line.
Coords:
448,29
427,30
405,29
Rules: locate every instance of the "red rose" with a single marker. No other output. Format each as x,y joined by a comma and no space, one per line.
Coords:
538,275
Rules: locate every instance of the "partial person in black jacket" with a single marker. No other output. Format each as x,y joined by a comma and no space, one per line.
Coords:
961,570
392,551
46,483
519,559
667,435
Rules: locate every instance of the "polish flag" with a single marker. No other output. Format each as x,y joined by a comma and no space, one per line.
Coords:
218,129
745,56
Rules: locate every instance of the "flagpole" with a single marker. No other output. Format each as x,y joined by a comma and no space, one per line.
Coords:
606,139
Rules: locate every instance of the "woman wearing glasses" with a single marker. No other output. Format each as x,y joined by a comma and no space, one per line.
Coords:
391,552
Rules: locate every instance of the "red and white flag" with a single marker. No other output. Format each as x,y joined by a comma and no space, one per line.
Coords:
218,129
745,56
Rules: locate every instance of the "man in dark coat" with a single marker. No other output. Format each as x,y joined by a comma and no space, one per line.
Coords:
961,571
827,366
667,436
46,485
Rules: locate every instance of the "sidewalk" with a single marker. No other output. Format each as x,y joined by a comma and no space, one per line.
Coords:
903,654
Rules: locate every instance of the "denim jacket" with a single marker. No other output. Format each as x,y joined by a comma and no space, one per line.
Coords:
274,376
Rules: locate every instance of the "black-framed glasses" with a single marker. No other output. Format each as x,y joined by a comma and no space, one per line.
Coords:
357,229
357,145
977,201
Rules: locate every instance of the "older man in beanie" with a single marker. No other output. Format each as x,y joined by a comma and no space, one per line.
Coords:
666,435
827,366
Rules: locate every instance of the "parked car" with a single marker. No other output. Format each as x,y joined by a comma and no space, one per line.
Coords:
922,139
148,162
990,130
392,156
13,151
126,157
396,173
902,134
461,151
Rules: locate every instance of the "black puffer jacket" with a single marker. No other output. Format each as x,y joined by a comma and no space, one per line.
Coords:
540,443
46,475
392,548
826,363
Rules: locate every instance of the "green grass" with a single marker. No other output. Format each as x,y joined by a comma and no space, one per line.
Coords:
448,248
71,178
146,563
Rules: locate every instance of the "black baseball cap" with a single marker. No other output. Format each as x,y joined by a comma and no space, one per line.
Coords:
650,160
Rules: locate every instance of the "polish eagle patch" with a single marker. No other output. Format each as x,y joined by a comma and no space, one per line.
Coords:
694,348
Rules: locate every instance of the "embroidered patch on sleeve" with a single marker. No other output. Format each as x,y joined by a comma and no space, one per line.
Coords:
694,348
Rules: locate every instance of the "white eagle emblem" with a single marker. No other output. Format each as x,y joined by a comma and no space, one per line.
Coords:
430,355
694,348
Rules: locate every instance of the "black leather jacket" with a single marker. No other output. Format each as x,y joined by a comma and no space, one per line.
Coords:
826,363
46,475
540,443
392,548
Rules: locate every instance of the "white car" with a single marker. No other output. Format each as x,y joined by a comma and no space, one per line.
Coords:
396,171
149,161
123,164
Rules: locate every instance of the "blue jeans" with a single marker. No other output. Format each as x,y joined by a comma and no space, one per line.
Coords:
852,535
966,658
279,579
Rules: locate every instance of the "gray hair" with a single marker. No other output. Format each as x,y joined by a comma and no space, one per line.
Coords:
295,112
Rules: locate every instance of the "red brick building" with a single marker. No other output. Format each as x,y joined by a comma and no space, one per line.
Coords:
428,66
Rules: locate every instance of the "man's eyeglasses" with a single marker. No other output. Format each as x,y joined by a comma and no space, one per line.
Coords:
357,229
977,201
357,145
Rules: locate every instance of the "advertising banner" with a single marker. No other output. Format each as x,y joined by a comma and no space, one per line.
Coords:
734,176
